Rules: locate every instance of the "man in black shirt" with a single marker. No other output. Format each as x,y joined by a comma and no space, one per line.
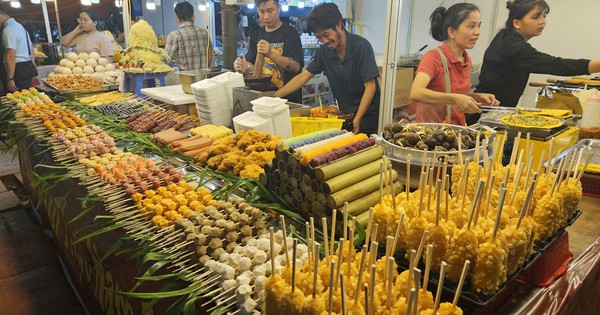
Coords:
348,61
279,43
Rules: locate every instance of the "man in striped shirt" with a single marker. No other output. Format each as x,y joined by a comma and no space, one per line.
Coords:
190,44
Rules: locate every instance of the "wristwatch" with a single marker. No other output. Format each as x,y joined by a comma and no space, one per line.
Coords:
11,78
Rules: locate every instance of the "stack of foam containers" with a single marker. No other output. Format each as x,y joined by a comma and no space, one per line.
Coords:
277,111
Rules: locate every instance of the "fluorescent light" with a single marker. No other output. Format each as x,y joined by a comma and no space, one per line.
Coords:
250,5
202,6
285,8
95,1
118,3
150,5
300,4
15,4
36,1
86,2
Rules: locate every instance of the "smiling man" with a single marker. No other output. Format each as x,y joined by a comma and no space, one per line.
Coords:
279,43
348,62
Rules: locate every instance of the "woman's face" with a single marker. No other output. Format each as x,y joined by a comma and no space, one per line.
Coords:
86,23
532,24
468,31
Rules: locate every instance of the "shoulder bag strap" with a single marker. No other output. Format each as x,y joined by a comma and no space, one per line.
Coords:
448,86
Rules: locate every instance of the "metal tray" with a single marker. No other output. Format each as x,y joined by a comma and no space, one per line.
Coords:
400,154
591,145
494,120
95,89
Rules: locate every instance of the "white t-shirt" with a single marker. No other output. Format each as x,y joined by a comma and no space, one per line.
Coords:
15,37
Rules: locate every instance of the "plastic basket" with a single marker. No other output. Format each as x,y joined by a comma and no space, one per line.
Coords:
553,263
591,185
304,125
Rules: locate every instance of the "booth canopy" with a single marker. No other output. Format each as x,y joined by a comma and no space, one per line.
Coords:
68,10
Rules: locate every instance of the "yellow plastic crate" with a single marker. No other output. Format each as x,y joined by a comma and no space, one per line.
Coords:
304,125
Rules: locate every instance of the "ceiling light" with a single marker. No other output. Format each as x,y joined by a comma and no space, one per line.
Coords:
36,1
285,8
202,6
95,1
300,4
15,4
150,5
86,2
250,5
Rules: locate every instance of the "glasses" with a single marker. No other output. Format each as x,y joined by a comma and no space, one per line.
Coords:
83,21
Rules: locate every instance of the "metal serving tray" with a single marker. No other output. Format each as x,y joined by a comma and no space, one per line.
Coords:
95,89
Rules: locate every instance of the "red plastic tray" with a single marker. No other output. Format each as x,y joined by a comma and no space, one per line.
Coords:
552,264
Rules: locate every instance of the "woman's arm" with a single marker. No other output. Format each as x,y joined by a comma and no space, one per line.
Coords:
68,40
420,93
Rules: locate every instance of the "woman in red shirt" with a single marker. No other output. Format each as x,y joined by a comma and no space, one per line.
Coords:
458,29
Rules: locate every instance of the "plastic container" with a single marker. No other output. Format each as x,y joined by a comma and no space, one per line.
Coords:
591,185
591,112
277,111
553,263
252,121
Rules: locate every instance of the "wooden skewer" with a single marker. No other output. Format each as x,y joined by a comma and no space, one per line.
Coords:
345,223
428,255
375,231
438,185
550,153
528,174
331,279
315,273
444,172
463,276
390,281
423,159
360,271
369,224
351,250
411,298
571,164
325,237
417,274
333,221
295,244
308,241
367,302
489,197
527,149
392,189
420,248
558,171
478,194
527,200
422,186
381,175
407,188
438,294
486,158
397,234
431,184
373,253
340,260
447,194
285,247
500,205
411,264
460,155
588,158
515,149
463,189
516,182
578,163
372,288
272,253
343,293
312,237
477,138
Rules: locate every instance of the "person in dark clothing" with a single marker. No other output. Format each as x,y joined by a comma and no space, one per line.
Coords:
510,59
348,61
279,43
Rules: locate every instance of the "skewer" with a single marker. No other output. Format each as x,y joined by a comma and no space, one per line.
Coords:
477,138
463,276
373,253
407,188
369,226
397,234
549,155
431,184
285,248
486,158
428,255
393,193
447,194
372,288
340,260
588,158
343,293
375,231
360,271
558,171
412,258
325,237
527,149
460,156
312,237
345,223
367,302
500,205
423,159
295,244
308,240
516,182
478,193
411,299
417,274
488,198
272,253
528,174
422,186
578,163
331,266
315,273
438,201
351,250
515,149
444,172
390,281
463,188
527,200
420,248
381,175
438,294
333,221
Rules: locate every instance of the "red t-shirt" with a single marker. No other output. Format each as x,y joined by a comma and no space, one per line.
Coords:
460,83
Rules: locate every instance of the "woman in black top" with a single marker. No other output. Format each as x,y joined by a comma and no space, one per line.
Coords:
509,59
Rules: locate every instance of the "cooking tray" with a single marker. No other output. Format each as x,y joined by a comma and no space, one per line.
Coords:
95,89
494,120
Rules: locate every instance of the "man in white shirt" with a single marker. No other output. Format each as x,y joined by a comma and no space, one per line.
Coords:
19,65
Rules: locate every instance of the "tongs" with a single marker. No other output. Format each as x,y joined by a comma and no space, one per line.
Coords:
509,109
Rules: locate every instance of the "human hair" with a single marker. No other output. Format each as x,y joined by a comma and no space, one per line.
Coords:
93,14
442,18
324,16
257,3
517,9
184,11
